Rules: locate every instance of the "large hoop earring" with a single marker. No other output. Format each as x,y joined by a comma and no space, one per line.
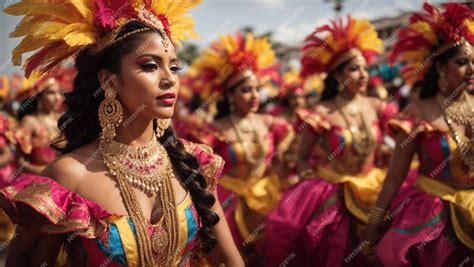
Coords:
231,105
442,83
110,114
161,126
340,88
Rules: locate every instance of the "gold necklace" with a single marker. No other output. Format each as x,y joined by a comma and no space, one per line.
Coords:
50,124
257,155
162,247
462,113
363,141
142,166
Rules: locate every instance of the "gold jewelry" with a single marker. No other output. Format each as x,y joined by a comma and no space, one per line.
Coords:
231,105
50,124
462,113
308,173
110,39
340,88
377,216
254,155
110,114
161,126
363,141
148,169
442,83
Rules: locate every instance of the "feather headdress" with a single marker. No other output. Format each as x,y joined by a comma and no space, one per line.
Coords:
339,43
231,54
57,29
429,34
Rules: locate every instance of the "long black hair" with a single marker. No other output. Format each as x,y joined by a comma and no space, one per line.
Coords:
223,106
81,123
429,84
330,83
29,106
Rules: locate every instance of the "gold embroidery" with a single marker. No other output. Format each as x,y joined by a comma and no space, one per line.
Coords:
38,196
211,170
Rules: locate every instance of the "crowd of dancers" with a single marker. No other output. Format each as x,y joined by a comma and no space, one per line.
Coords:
248,163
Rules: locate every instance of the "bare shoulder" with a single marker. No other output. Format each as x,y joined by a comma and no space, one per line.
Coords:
71,169
29,121
221,124
422,108
375,102
325,107
267,119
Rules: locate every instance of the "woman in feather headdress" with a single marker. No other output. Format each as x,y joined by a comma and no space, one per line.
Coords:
432,224
39,112
125,191
232,69
319,221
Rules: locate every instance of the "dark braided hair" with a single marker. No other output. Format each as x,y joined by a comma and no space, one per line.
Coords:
81,124
429,82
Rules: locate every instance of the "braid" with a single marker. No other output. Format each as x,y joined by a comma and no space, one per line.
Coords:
187,168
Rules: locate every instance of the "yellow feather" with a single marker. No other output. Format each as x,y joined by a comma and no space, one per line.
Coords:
55,10
48,30
425,28
470,25
29,43
79,38
85,8
72,32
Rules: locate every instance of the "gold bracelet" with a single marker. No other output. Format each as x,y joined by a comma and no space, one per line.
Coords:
376,216
307,173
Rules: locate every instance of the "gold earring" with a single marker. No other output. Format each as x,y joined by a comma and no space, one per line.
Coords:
161,126
110,114
340,88
442,83
231,105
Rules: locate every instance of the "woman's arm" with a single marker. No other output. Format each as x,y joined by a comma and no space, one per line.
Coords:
398,169
6,156
31,168
225,251
29,248
308,141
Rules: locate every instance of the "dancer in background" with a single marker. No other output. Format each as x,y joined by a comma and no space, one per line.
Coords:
292,99
8,126
39,112
320,221
432,224
250,143
126,191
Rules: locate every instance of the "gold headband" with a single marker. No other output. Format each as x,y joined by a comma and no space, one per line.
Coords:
144,16
246,74
346,56
445,47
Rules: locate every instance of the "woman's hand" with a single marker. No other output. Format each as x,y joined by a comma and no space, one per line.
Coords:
372,235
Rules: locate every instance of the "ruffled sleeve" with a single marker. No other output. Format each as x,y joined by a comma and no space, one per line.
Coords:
206,133
283,132
313,119
41,204
408,123
210,164
386,111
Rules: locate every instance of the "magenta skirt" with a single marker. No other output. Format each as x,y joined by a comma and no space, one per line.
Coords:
310,226
420,233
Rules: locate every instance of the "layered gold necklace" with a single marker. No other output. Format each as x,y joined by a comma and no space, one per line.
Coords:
50,123
149,170
462,113
363,141
254,151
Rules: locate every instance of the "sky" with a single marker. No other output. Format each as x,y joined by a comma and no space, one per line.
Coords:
289,20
